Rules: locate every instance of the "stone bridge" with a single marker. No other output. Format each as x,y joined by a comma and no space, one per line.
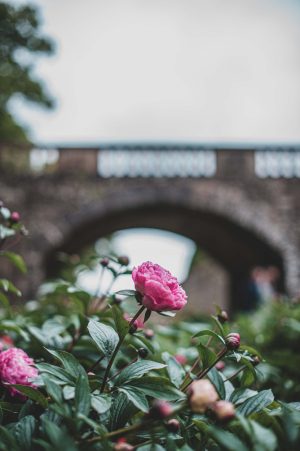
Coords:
241,204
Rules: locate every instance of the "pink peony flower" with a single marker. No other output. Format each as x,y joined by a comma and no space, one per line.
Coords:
16,367
160,290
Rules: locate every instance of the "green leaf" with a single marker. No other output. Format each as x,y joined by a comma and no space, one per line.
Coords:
104,336
53,389
219,326
256,403
122,410
157,387
32,393
136,370
167,314
210,333
263,438
241,394
216,379
56,372
126,292
7,441
227,440
8,286
137,397
208,357
175,370
15,259
58,436
82,395
23,432
121,324
5,232
252,351
70,363
4,300
101,403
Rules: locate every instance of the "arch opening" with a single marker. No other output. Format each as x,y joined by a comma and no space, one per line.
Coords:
235,248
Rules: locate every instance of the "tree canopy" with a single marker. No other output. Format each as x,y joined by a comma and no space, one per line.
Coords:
21,40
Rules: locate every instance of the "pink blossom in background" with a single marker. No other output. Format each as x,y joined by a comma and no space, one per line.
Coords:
160,290
181,359
6,342
16,367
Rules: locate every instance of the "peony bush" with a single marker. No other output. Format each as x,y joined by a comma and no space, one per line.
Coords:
84,372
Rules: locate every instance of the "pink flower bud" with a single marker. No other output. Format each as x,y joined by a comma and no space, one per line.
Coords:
104,262
233,341
123,260
16,367
15,217
224,410
122,445
201,395
160,410
160,290
220,365
181,359
173,425
148,333
138,323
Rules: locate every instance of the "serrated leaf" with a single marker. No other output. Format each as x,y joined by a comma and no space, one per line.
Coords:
175,370
15,259
136,396
211,333
216,379
256,403
23,432
82,395
32,393
101,403
136,370
105,337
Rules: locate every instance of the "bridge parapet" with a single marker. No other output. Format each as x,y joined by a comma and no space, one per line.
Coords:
157,160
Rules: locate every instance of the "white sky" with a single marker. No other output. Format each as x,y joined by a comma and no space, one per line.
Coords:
170,70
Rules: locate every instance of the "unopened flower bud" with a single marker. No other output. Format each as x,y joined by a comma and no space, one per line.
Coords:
256,360
233,341
122,445
201,395
15,217
143,352
117,300
104,262
148,333
220,365
173,425
123,260
160,410
181,359
222,316
224,410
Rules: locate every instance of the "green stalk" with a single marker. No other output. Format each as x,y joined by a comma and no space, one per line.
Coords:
110,363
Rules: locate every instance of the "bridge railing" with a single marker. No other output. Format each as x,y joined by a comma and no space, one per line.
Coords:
154,160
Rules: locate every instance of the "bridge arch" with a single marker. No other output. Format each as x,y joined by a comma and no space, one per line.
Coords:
223,222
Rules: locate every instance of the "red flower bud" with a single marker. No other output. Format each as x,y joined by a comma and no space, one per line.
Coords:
15,217
223,410
173,425
220,365
104,262
160,410
122,445
181,359
233,341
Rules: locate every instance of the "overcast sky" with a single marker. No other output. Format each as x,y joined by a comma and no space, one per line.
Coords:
170,70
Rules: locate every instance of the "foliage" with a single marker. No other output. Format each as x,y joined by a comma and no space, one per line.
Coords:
104,384
20,39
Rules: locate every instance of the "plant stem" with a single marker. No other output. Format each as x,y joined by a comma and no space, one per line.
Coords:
204,372
110,363
236,373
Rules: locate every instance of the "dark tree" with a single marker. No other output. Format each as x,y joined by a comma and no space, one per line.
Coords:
20,39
